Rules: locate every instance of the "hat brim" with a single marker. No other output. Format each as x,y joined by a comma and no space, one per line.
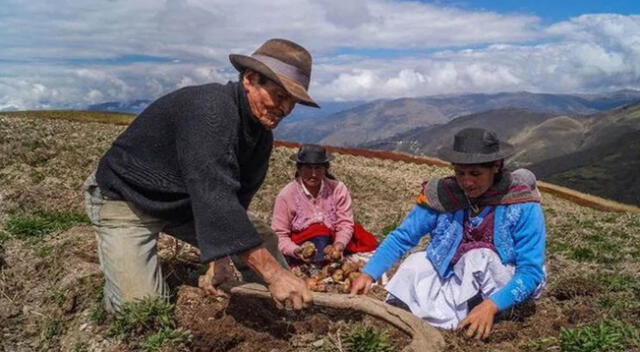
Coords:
242,62
455,157
294,157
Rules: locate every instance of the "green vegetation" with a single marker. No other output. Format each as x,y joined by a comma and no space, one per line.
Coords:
151,320
148,315
98,313
366,339
541,344
80,346
32,226
164,337
59,297
52,329
608,335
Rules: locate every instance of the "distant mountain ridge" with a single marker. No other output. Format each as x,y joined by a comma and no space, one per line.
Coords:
596,153
131,107
384,119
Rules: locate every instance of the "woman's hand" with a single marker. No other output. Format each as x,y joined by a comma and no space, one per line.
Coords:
480,320
334,252
361,284
300,255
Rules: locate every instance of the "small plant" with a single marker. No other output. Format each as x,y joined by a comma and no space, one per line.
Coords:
582,254
366,339
28,226
98,314
609,335
59,297
151,314
541,344
52,329
164,337
43,250
4,237
80,346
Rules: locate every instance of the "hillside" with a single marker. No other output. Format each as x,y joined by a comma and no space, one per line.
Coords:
50,282
385,118
550,144
609,170
426,141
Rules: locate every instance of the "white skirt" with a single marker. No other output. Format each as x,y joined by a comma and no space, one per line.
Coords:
443,303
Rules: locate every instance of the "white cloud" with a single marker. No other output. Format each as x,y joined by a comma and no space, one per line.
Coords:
56,53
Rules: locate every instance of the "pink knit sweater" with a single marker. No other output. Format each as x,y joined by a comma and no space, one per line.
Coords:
295,209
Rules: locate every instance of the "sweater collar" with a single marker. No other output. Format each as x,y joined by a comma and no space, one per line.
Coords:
244,109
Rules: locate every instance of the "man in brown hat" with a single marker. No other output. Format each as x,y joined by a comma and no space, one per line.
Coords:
189,166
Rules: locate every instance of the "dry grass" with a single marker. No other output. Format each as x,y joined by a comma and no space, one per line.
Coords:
43,163
112,118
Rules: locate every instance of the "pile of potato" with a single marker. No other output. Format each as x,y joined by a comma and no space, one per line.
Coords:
335,276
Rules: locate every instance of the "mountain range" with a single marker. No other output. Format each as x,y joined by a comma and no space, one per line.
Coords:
595,153
383,119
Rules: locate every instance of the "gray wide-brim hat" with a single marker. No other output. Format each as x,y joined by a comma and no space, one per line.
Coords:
311,154
284,62
475,146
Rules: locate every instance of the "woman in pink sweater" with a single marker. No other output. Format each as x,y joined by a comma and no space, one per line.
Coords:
316,207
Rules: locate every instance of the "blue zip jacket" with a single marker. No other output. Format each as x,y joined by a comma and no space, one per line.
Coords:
519,238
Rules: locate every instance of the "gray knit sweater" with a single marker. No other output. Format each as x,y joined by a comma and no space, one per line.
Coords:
195,154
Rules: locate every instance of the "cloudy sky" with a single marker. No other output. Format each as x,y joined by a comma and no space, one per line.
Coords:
72,53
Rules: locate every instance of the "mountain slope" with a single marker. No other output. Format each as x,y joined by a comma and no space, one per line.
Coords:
507,123
382,119
610,170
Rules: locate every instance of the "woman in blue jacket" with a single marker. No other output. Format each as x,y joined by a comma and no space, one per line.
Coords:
487,239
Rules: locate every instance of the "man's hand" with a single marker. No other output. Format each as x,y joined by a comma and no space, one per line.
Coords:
287,290
480,320
361,285
219,271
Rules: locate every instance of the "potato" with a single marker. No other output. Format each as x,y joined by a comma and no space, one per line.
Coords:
348,267
338,275
335,255
308,249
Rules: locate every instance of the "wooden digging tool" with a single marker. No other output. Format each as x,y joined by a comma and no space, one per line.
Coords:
424,338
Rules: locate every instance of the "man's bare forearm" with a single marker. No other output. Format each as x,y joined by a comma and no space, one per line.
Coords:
262,262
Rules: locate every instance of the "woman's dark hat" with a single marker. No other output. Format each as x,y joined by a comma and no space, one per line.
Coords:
284,62
311,154
475,146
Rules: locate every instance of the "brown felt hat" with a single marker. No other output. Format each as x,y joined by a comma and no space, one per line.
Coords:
475,146
283,62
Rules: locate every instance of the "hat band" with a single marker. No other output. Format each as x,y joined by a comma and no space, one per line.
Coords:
283,68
